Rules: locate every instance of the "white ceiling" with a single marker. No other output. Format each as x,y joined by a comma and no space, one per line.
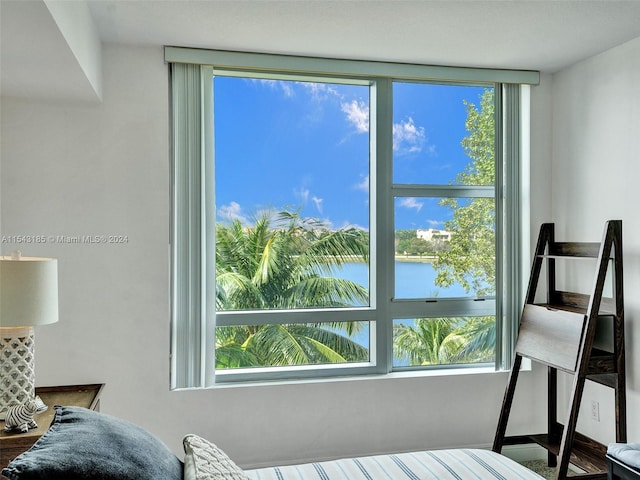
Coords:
545,35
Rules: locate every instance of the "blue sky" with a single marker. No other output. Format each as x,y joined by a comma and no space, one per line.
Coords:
285,144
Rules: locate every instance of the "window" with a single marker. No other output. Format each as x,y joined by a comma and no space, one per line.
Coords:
329,219
292,221
445,223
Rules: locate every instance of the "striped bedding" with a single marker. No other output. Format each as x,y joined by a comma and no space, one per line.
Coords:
459,464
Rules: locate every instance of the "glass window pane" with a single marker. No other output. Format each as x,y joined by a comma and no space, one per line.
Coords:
443,134
292,194
443,341
444,247
277,345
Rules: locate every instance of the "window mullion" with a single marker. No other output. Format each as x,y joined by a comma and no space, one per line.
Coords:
450,191
383,248
208,342
450,307
268,317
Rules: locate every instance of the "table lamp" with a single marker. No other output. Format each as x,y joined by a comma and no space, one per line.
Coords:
28,297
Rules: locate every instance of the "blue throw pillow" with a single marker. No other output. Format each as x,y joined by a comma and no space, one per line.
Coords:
82,444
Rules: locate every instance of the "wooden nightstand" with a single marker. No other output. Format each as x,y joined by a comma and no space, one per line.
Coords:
87,396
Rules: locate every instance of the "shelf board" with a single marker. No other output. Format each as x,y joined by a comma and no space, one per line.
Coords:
601,363
606,379
571,302
574,249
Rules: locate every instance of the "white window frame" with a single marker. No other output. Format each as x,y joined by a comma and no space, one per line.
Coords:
193,219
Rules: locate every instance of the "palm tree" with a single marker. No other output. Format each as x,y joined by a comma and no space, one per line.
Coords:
429,341
469,258
284,261
281,345
445,340
480,339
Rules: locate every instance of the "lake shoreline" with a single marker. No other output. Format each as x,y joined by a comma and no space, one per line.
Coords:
397,258
414,259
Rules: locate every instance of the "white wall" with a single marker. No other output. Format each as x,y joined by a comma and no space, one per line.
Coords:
595,177
104,169
76,26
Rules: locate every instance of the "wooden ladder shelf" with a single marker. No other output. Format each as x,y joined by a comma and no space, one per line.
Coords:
560,333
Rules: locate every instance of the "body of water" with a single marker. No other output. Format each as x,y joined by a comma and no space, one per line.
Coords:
412,280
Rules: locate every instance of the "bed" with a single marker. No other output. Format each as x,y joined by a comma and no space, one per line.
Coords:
437,464
623,461
83,444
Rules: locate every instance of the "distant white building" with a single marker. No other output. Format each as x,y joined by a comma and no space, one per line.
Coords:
433,234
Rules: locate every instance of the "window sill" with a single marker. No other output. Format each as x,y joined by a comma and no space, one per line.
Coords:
443,372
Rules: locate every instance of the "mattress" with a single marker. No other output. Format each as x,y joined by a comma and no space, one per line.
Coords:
459,464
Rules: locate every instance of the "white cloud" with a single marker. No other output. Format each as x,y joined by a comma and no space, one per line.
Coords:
363,185
303,194
319,91
357,114
348,224
318,203
411,202
233,211
315,91
408,138
356,111
284,86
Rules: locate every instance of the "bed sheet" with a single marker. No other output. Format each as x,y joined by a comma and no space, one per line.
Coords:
458,464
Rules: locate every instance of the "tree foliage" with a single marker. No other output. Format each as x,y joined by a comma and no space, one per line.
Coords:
284,261
445,340
470,258
428,341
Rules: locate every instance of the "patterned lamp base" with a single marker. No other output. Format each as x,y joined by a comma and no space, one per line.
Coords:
17,372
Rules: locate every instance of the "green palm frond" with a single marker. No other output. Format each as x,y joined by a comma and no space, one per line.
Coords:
234,356
284,261
429,341
325,292
480,339
345,348
274,345
230,348
433,341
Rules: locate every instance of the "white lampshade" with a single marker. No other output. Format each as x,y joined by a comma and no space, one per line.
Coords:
28,297
28,291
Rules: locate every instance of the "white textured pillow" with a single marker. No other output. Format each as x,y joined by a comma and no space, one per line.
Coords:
205,461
